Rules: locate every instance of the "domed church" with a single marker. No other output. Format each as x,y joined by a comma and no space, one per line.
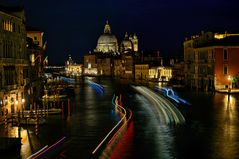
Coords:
108,43
111,58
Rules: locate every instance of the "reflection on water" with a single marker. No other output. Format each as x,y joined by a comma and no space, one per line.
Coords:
212,127
158,137
225,132
211,130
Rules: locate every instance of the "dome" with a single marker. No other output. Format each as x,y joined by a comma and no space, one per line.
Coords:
107,42
107,39
126,44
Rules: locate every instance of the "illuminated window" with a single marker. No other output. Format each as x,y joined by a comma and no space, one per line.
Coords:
225,69
225,54
7,25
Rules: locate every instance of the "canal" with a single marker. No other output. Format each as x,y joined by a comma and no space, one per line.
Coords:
210,131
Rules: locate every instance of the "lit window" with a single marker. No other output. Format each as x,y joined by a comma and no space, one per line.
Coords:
89,65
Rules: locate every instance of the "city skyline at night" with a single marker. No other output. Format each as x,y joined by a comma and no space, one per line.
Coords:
119,79
72,27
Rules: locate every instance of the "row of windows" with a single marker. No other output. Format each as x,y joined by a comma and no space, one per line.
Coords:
7,25
9,49
10,26
203,55
209,55
10,75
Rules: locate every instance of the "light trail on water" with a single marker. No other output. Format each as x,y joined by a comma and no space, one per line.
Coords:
168,113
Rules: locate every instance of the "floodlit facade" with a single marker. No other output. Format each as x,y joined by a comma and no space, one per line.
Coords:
111,59
13,58
160,73
73,69
107,42
34,79
211,61
141,71
90,65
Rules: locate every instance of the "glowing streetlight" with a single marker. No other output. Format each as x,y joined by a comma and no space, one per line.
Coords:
230,83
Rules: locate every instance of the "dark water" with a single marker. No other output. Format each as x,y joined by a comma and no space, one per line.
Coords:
210,131
212,127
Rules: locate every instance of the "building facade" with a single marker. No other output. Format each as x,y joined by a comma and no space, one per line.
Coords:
160,73
141,71
111,59
34,81
107,42
73,69
13,58
210,61
90,64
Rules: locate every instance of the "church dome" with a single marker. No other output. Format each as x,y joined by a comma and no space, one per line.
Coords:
107,42
107,39
126,44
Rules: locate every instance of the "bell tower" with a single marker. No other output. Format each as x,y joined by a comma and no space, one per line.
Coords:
134,40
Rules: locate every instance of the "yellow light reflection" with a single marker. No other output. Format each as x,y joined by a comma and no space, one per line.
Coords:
24,136
225,135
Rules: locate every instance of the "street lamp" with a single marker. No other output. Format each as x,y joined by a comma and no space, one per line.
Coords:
23,107
230,83
18,112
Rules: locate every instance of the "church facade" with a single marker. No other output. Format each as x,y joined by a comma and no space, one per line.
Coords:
111,57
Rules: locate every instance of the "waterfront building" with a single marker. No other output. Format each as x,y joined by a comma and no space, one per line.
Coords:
160,73
105,65
178,76
110,59
14,61
129,44
141,71
118,66
128,66
211,61
73,69
36,35
34,82
107,42
90,64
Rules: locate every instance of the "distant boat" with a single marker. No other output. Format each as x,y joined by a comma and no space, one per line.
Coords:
53,97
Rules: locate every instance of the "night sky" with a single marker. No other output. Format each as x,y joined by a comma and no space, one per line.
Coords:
73,26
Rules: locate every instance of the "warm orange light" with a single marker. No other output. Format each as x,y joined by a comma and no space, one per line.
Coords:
229,78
